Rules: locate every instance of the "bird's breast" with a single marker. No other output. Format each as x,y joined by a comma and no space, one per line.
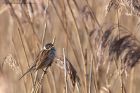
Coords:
52,53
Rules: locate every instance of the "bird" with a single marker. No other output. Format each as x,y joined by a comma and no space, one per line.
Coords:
44,58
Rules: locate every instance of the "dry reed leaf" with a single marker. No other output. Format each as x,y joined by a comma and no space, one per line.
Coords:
117,46
70,70
106,36
122,46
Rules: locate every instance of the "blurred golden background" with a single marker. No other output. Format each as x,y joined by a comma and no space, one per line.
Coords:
78,26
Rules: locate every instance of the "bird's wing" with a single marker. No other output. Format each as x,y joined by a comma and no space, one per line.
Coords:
37,60
42,58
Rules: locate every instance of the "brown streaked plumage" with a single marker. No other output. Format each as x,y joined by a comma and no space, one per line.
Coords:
43,59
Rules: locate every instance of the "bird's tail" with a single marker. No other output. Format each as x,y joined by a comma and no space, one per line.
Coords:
31,68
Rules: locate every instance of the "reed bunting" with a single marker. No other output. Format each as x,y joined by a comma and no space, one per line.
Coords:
44,58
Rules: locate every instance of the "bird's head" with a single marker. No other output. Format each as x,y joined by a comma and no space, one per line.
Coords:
48,46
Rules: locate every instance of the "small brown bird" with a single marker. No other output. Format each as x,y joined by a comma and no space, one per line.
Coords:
43,59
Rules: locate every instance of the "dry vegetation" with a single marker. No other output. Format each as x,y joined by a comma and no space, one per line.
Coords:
97,44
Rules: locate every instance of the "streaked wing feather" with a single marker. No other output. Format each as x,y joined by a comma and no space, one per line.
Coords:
42,58
39,61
